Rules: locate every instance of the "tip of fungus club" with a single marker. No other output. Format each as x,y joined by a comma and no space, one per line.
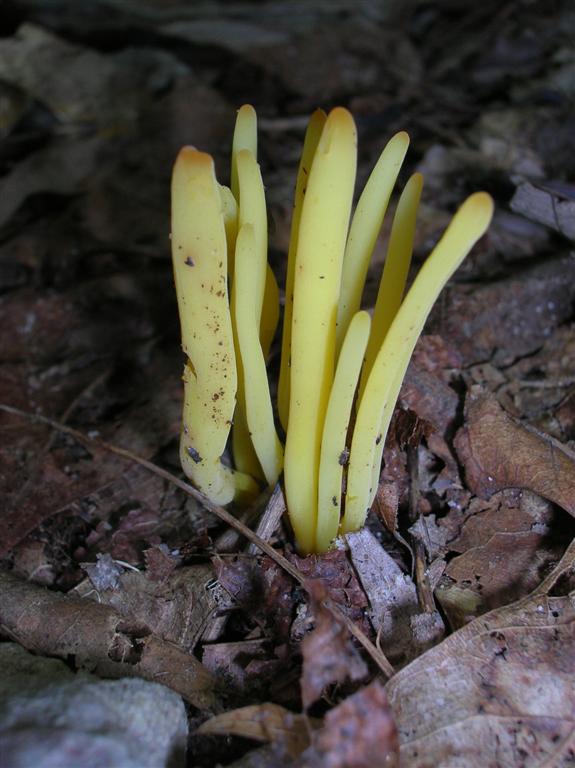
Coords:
339,125
190,156
401,137
247,109
482,203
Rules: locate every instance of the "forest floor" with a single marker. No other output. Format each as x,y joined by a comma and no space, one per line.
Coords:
459,592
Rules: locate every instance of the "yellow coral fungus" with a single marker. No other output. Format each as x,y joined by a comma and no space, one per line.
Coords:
332,355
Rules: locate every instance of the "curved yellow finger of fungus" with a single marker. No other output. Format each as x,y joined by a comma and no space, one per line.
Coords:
365,227
259,411
230,212
334,453
383,385
321,243
245,458
270,311
245,137
395,270
252,211
200,272
312,137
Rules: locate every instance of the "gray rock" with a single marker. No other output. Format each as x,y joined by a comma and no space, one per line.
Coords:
53,718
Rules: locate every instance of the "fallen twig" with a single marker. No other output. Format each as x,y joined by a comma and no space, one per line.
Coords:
98,639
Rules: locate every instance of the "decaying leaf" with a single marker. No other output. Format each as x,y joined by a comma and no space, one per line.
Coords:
176,609
358,733
434,402
261,588
339,580
552,205
250,666
328,654
160,562
498,452
504,546
498,692
264,722
386,504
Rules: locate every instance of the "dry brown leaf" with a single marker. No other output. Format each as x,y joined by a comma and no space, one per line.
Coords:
358,733
430,398
160,562
434,355
328,654
498,452
504,569
265,722
261,588
386,504
234,663
505,545
339,580
498,692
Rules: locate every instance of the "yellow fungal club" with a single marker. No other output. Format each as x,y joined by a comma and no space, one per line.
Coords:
340,369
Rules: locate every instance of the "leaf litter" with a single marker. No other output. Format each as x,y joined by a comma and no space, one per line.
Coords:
453,591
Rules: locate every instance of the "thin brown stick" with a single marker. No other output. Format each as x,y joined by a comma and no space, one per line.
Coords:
271,518
215,509
376,653
229,541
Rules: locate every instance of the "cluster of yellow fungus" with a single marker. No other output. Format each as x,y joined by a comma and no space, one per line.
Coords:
341,370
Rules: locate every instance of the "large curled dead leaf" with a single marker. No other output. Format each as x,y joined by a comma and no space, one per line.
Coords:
498,452
504,545
500,691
